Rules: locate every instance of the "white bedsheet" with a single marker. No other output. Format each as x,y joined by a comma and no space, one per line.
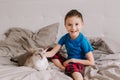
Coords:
10,71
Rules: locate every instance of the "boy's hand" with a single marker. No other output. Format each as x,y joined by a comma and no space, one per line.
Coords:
65,63
68,61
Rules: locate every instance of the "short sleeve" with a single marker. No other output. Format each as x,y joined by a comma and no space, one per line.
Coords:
86,46
62,40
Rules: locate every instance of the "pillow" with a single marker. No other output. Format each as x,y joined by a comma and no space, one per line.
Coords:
99,44
113,45
12,43
18,40
105,44
46,36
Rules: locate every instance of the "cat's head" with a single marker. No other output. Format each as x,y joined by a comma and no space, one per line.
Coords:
38,52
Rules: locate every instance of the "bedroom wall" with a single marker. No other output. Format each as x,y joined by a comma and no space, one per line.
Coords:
102,17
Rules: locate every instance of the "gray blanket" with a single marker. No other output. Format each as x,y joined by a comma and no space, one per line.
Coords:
17,41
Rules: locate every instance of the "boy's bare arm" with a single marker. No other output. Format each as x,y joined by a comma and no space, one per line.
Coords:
89,61
53,51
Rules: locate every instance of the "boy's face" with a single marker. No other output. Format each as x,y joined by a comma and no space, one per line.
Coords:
74,26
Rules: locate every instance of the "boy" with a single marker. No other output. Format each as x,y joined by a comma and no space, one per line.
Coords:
78,48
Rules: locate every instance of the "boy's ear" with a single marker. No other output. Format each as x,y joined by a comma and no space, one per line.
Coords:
82,23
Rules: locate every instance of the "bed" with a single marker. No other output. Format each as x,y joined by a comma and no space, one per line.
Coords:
17,40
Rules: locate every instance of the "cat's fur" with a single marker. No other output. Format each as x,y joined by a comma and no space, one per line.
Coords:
34,57
37,59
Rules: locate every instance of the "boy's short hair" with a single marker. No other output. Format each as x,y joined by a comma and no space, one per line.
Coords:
72,13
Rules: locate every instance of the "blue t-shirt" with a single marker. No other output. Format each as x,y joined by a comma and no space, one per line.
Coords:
76,48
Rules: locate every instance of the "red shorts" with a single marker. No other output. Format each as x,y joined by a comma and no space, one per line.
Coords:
74,67
57,56
71,67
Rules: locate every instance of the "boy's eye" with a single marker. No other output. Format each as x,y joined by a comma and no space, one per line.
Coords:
76,24
69,24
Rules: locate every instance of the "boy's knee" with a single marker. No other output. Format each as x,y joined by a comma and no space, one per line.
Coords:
54,60
77,76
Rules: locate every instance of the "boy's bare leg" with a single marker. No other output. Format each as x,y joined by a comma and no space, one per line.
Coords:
58,64
77,76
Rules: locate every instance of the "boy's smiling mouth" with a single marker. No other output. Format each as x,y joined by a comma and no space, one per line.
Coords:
73,31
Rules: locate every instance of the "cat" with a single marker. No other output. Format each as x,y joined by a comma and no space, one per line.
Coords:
34,58
37,59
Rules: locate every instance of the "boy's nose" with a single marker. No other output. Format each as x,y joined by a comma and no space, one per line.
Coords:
73,27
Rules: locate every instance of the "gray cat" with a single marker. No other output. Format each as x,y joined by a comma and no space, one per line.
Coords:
37,59
34,57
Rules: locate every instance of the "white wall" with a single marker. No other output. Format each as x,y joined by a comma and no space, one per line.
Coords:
102,17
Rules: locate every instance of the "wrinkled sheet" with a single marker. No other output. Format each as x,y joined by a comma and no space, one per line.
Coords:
10,71
107,68
18,40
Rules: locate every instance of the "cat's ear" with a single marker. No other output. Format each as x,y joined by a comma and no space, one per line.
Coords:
31,50
45,50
